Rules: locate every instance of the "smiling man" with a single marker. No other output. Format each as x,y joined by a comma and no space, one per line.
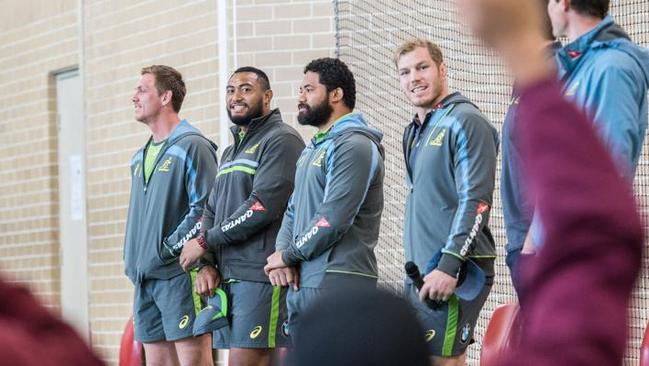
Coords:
332,222
171,177
450,153
242,217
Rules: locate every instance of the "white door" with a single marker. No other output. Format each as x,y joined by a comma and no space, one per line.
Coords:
72,201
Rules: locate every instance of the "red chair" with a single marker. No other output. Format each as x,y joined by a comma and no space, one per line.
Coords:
130,350
496,338
644,348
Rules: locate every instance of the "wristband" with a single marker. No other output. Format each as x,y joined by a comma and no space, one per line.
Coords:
201,241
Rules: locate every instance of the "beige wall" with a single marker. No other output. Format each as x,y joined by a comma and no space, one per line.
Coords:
33,45
38,38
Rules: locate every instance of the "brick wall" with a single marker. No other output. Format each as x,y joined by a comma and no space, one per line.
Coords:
37,38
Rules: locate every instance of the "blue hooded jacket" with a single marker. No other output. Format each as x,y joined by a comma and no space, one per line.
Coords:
608,76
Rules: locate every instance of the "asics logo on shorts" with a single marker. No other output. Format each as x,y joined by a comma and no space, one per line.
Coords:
255,332
183,322
429,335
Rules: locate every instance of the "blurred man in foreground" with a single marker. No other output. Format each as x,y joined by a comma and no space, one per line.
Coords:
575,292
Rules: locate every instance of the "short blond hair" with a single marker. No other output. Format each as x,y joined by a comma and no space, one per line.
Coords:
433,50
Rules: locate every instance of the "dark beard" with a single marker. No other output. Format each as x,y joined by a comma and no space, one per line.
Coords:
255,111
316,116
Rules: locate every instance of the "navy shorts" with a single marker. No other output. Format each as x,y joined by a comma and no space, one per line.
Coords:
164,310
257,316
448,330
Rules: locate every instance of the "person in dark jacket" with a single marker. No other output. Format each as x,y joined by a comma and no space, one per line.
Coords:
575,292
242,217
331,225
450,154
171,177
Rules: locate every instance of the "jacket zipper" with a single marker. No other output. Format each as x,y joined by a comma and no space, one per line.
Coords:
155,164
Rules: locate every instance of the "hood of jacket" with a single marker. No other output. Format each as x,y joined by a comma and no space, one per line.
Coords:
607,34
354,123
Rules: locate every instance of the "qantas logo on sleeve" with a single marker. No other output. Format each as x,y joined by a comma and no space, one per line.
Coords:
480,210
256,207
191,234
314,230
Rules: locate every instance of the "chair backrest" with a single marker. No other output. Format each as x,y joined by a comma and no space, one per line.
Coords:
644,348
130,350
497,335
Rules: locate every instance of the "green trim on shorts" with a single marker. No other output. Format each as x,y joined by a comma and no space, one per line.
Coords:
223,298
195,297
351,273
274,316
451,326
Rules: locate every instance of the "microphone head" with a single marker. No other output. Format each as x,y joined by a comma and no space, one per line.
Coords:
411,269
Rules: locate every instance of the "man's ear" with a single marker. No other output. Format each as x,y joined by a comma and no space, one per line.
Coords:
336,95
443,71
166,97
268,97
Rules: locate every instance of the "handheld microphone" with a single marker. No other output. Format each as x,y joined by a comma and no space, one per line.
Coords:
412,271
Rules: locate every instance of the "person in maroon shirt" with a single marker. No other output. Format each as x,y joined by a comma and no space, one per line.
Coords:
575,292
31,335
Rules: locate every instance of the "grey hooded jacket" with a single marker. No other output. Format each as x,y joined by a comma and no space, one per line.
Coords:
165,213
451,168
250,194
333,217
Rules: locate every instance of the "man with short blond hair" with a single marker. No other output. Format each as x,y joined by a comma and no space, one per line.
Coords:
450,154
433,50
171,177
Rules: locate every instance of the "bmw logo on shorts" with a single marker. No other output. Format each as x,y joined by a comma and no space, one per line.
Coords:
285,328
466,332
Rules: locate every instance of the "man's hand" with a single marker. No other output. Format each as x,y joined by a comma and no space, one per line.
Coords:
274,261
528,244
191,253
438,286
285,276
207,280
